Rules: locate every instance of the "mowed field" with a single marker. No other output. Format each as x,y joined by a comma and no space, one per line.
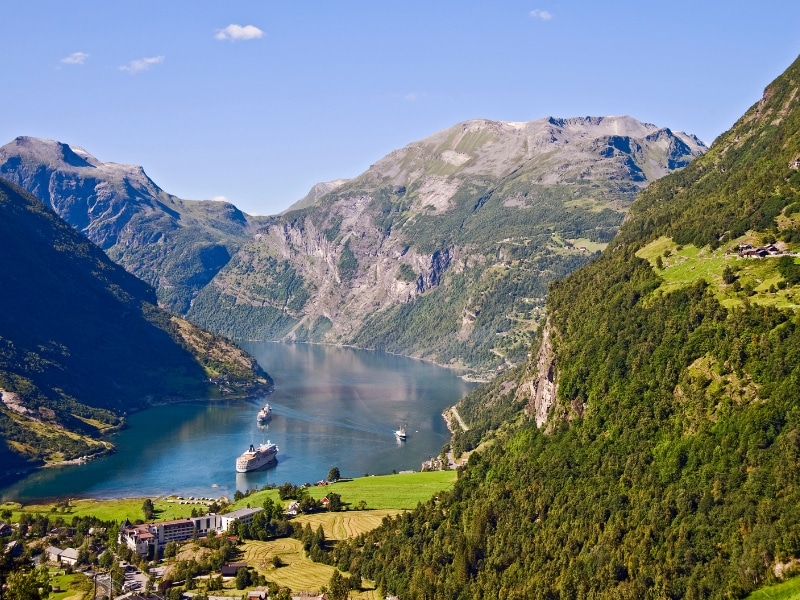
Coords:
399,492
297,572
107,510
345,525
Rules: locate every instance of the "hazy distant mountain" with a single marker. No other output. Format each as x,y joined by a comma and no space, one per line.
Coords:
175,245
444,249
82,341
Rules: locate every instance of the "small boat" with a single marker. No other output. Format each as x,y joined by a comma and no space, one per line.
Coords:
265,414
401,433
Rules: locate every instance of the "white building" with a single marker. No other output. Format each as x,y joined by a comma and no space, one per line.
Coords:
69,557
53,554
244,515
140,538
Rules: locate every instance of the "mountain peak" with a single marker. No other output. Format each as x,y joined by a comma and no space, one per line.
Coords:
33,151
49,151
499,148
118,206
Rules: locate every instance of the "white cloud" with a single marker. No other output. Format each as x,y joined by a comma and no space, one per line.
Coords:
237,33
414,96
219,199
142,64
543,15
76,58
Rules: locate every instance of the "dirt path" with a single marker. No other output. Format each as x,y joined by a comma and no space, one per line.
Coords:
454,412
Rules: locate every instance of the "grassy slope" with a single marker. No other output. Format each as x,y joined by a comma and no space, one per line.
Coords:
381,493
403,491
788,590
684,265
298,571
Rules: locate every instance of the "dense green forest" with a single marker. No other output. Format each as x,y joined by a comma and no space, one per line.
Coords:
670,465
82,341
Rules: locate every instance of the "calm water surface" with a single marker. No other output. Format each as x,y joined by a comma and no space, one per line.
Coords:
331,407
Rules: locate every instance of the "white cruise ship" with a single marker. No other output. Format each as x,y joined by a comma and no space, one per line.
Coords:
255,458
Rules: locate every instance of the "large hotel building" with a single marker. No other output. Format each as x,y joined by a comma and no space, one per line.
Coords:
140,538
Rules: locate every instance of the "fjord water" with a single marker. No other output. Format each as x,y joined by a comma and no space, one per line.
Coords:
331,407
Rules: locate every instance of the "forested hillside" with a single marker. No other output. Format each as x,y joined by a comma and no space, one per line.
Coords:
669,466
82,341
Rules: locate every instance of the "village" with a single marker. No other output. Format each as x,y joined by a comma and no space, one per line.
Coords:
750,251
268,544
137,561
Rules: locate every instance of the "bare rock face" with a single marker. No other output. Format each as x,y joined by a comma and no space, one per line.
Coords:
441,250
316,192
99,199
175,245
539,385
444,249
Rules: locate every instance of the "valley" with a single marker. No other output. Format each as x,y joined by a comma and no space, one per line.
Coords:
66,380
519,283
442,250
628,295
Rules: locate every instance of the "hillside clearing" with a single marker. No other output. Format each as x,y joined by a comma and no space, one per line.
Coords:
757,279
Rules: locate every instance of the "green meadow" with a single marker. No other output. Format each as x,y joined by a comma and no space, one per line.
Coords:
107,510
680,266
394,492
788,590
400,492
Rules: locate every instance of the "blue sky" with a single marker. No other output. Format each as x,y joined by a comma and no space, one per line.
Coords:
255,101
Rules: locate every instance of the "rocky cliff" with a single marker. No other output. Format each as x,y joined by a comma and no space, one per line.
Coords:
175,245
443,249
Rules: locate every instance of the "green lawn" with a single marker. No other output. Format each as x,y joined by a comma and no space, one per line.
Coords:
107,510
74,586
788,590
402,491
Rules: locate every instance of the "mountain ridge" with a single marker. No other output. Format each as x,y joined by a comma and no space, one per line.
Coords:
454,220
175,245
82,342
449,221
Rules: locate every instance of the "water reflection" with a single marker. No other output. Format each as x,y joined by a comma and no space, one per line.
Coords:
331,407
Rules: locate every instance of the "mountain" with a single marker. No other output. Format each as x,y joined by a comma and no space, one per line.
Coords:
651,447
175,245
315,194
443,249
82,342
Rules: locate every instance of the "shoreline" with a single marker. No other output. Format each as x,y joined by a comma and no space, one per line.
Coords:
43,505
10,478
256,393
